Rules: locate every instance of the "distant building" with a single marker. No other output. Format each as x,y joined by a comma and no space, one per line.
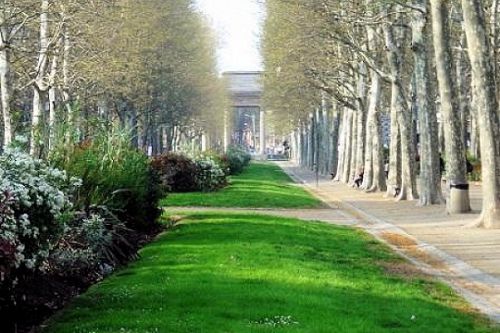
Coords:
246,125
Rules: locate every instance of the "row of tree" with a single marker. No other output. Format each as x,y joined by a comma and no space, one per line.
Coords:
374,87
148,66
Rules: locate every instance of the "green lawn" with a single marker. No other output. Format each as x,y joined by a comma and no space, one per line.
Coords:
237,273
262,185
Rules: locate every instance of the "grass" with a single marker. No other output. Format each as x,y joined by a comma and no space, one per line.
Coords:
262,185
238,273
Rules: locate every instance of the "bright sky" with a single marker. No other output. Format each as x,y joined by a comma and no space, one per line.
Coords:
237,23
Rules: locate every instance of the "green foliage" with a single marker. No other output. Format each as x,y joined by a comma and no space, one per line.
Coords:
92,246
114,175
252,273
218,158
475,175
293,59
81,248
237,158
177,172
182,173
167,77
209,174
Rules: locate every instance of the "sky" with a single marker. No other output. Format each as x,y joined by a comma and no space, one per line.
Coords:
237,24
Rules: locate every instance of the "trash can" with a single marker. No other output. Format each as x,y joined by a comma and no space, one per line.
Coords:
458,201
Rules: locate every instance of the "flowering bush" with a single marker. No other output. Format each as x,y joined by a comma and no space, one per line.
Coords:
58,233
219,159
209,176
237,158
34,204
81,245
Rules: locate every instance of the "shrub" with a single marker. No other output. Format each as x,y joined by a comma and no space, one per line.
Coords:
182,173
209,176
177,172
115,175
35,202
219,159
92,246
79,251
237,158
475,175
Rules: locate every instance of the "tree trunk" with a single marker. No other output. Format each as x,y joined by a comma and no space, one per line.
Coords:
327,140
310,142
399,109
319,140
348,147
494,37
54,67
394,176
316,140
361,119
41,69
325,124
373,176
354,148
458,197
379,181
294,144
5,80
487,110
5,90
65,71
408,190
430,178
341,149
373,102
462,88
303,145
334,142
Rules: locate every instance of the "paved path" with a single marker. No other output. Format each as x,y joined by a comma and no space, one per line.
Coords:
328,215
466,258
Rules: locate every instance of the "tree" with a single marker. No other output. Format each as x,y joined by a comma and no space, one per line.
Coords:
430,178
458,200
487,109
13,19
123,61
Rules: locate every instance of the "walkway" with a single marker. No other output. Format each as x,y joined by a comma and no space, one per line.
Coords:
328,215
467,258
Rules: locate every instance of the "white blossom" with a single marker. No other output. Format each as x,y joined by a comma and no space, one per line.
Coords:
26,186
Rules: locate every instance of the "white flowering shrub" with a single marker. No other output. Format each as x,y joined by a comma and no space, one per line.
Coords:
34,204
237,158
83,246
210,176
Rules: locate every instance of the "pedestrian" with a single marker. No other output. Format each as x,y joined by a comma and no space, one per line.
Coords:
441,165
359,177
469,166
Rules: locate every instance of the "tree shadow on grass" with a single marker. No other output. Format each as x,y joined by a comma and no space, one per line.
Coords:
245,273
